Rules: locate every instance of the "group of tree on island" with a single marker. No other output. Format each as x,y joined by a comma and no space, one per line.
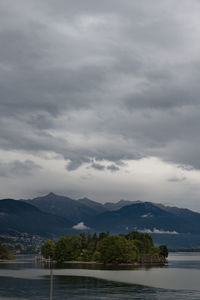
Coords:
5,253
105,248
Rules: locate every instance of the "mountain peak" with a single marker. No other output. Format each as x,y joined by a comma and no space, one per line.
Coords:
51,194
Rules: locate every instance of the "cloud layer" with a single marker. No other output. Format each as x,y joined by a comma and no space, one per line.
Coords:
100,83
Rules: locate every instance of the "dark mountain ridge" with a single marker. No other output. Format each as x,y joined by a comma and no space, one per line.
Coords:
98,207
131,215
119,204
54,214
75,210
147,216
19,216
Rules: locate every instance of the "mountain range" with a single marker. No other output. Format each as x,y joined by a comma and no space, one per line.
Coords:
74,210
18,216
57,215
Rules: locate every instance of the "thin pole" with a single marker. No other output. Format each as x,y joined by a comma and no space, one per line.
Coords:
51,283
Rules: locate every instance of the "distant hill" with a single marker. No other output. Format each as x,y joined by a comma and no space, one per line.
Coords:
149,217
18,216
122,216
119,204
96,206
74,210
54,214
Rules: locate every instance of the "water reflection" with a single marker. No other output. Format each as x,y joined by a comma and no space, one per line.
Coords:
80,288
91,266
23,279
190,260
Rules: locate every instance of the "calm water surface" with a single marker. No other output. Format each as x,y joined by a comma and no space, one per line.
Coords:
23,279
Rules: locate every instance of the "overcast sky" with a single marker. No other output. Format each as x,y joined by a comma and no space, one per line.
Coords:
100,99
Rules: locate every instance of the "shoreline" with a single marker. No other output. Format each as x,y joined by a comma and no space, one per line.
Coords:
134,264
6,260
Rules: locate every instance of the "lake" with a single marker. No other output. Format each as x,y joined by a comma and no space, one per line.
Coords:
24,279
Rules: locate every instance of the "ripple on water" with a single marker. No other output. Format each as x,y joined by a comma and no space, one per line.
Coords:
82,288
24,280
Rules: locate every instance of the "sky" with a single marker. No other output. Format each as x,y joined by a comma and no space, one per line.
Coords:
100,99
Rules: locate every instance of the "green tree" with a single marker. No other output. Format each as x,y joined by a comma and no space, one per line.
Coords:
68,248
117,249
163,251
5,253
76,246
83,240
48,249
143,241
91,246
62,249
103,235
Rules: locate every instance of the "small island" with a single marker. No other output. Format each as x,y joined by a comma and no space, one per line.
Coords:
5,253
133,248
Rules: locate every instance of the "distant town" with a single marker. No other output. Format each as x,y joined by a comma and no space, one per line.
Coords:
22,243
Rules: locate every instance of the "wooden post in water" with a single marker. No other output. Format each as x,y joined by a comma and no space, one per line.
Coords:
51,281
51,284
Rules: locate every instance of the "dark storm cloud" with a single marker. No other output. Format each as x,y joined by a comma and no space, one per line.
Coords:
113,168
76,162
18,168
98,166
101,80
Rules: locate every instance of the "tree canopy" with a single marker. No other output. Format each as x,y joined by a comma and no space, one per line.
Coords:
105,248
117,249
5,253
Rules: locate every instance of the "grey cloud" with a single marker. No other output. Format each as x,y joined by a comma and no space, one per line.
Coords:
126,73
76,162
113,168
186,168
101,167
177,179
41,121
18,168
98,166
168,93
